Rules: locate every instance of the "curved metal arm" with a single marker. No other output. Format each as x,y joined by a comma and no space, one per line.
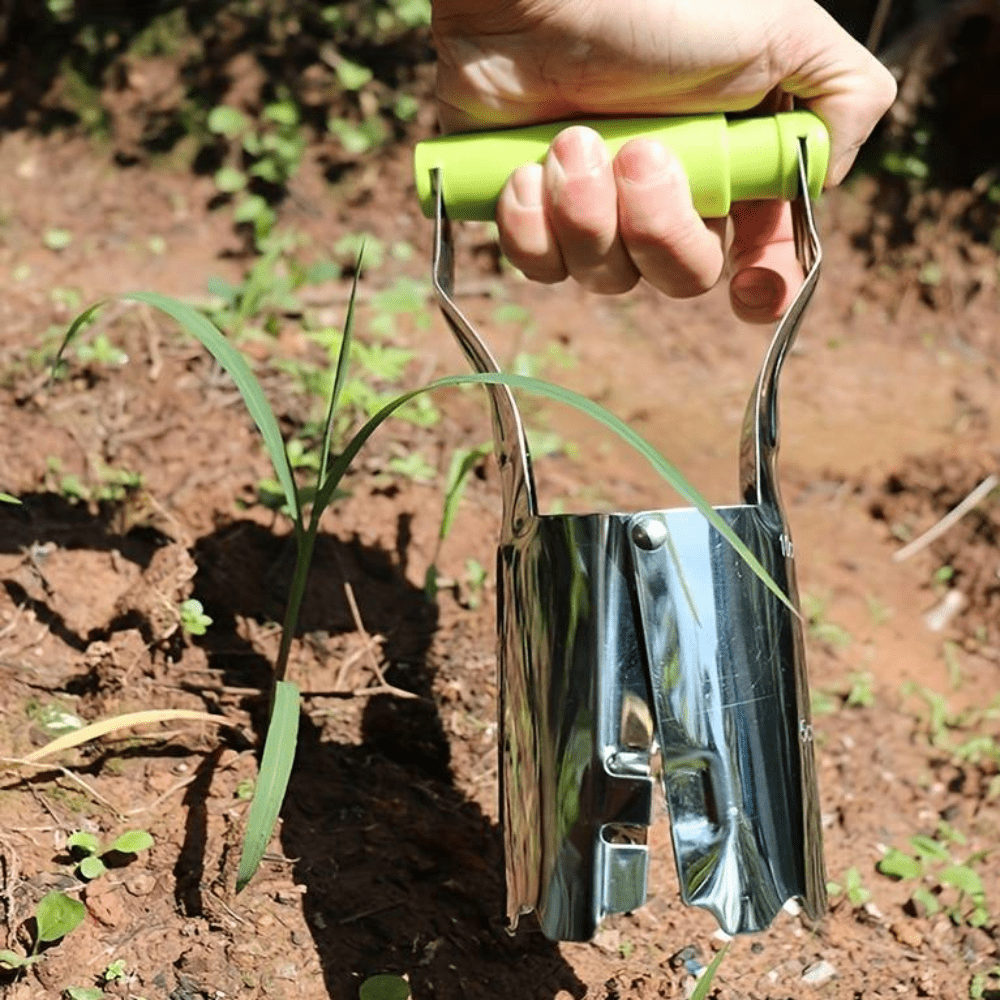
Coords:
759,439
510,442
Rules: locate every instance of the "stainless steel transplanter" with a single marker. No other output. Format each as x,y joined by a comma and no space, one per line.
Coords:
632,645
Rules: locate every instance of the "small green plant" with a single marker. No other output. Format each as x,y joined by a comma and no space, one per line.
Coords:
384,987
194,621
861,694
55,916
706,979
100,350
985,985
820,628
266,155
854,889
114,971
463,462
943,884
84,993
92,856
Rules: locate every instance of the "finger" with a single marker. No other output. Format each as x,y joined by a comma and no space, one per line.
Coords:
839,79
765,270
674,249
526,239
582,209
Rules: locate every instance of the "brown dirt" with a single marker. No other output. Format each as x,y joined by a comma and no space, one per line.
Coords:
388,856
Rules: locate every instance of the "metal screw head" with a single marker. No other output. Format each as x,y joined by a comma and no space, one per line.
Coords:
649,534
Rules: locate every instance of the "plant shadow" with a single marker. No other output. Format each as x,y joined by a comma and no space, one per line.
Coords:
402,872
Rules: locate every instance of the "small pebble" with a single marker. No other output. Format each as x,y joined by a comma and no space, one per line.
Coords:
819,973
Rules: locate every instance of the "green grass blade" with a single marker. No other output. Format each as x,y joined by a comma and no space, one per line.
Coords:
343,357
463,461
275,769
232,361
558,394
704,983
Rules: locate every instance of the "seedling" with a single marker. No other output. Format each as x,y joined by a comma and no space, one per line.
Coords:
384,987
954,887
55,916
854,889
92,864
861,694
194,621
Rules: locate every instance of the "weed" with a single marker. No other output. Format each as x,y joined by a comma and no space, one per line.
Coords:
853,889
263,157
384,987
194,621
101,351
463,462
114,971
94,859
55,916
944,884
57,239
820,628
985,985
861,694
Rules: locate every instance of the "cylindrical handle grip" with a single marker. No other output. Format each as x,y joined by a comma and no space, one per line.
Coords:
725,160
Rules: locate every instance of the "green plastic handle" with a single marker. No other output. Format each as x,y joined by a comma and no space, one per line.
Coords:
725,160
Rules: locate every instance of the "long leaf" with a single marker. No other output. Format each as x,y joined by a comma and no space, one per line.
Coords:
704,983
234,364
275,769
343,357
126,721
561,395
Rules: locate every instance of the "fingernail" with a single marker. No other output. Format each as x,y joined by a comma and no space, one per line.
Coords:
643,162
757,288
527,189
579,152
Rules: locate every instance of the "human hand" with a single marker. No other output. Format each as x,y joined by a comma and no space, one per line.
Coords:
607,223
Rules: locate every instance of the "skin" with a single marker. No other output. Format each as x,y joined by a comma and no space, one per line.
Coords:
607,223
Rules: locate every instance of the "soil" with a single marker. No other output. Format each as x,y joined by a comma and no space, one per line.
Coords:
388,855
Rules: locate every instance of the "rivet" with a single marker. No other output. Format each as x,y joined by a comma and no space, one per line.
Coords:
649,534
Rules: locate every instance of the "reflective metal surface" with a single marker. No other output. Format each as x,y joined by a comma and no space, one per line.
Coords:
632,644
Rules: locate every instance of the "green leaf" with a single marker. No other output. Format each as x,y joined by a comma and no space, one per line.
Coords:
282,113
227,121
252,208
92,867
57,239
132,842
560,395
385,987
85,993
275,768
8,498
463,461
230,359
896,864
963,878
229,180
928,847
926,899
704,983
11,960
57,915
352,75
85,843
